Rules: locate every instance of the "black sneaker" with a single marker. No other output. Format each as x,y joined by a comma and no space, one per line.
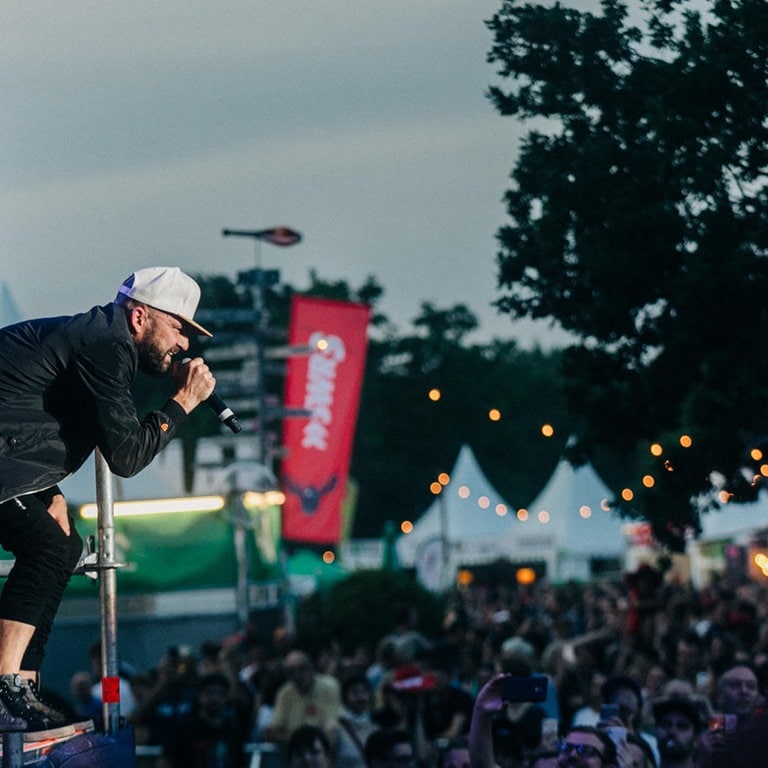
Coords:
38,701
43,722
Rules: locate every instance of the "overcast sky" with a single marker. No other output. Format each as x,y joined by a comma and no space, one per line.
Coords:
132,133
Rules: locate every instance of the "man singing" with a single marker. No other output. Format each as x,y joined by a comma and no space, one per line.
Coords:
65,389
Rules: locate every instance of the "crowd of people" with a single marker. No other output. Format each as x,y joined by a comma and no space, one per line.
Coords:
643,672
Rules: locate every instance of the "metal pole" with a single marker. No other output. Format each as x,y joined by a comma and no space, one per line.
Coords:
110,681
444,539
242,594
13,749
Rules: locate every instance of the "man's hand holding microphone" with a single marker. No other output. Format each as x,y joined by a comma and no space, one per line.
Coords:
195,384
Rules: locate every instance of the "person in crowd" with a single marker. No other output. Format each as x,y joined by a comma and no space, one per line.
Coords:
390,749
688,657
639,753
213,734
518,657
408,644
498,738
446,710
171,698
625,694
455,754
586,747
736,703
679,724
65,389
306,698
354,724
589,714
543,759
738,692
86,705
125,687
308,747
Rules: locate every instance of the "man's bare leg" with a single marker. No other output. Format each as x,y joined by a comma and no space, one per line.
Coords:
14,639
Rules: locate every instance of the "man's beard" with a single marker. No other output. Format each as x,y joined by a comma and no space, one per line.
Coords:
152,360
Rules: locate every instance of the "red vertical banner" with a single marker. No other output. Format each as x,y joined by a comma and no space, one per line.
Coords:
327,382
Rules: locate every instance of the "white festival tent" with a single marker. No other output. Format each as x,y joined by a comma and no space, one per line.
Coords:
9,311
468,515
735,522
568,526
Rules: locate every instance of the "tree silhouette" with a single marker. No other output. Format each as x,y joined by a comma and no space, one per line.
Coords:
638,220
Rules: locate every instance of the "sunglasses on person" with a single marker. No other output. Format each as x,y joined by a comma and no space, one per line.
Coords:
582,750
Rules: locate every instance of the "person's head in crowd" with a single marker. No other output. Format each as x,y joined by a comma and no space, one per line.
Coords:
455,755
737,690
679,721
212,696
761,670
299,671
625,693
308,747
209,658
688,651
655,679
586,747
678,687
389,749
639,752
597,680
544,759
636,665
517,657
356,695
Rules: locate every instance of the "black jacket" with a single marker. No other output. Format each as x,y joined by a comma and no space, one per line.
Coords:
65,389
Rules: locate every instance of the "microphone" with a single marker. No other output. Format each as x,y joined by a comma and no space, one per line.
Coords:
223,412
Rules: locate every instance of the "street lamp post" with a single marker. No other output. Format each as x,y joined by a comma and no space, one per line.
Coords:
260,279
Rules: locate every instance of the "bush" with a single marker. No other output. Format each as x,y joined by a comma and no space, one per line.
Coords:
361,609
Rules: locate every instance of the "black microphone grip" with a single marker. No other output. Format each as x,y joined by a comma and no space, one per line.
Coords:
223,412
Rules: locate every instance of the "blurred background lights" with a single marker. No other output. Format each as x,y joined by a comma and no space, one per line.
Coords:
434,394
764,470
435,487
656,449
685,441
501,510
443,478
406,526
328,556
322,345
605,505
494,414
585,511
483,502
761,561
525,576
547,430
648,481
756,454
464,577
463,492
522,515
627,494
543,516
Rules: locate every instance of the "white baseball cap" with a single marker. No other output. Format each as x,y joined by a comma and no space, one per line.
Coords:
167,289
